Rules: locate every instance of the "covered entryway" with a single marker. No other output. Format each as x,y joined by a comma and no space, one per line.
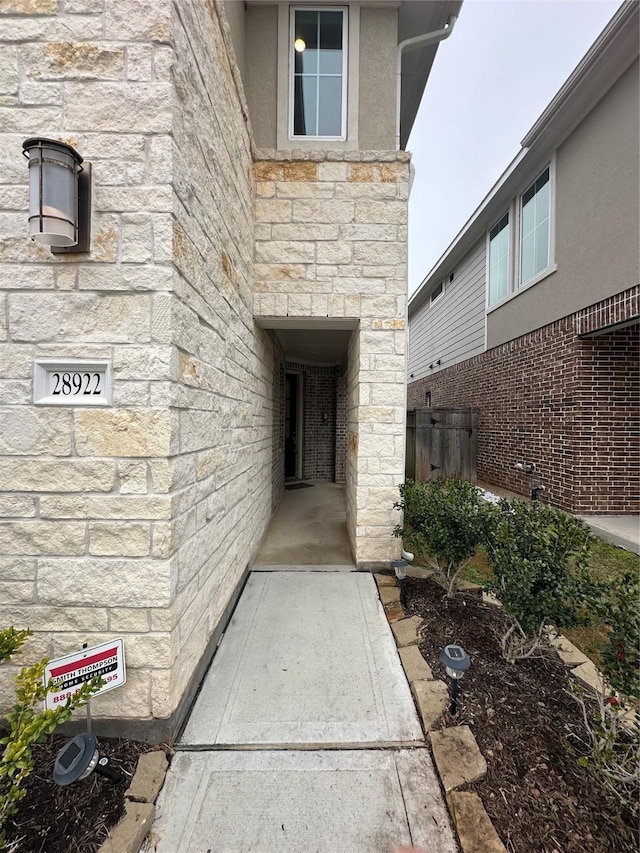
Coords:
308,528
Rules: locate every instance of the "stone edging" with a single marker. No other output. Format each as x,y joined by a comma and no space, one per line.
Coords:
456,754
128,835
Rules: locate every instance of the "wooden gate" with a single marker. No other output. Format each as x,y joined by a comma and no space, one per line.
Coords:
442,443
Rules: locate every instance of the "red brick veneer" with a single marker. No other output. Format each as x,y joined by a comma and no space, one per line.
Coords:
568,403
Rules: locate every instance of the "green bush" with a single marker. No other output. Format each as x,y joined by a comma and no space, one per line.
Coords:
28,724
619,610
445,520
539,557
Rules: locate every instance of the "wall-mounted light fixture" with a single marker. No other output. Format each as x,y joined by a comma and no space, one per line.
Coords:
59,195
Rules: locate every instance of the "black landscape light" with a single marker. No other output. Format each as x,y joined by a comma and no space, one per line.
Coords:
456,662
400,568
78,759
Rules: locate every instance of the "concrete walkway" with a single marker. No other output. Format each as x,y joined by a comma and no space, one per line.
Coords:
304,736
309,527
620,530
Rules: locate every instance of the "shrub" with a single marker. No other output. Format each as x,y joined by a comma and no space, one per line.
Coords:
539,557
27,724
618,609
446,520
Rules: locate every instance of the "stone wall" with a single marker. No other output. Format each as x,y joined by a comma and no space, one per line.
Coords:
568,403
86,501
135,520
331,235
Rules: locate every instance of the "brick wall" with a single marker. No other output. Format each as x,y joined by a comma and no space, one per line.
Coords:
567,403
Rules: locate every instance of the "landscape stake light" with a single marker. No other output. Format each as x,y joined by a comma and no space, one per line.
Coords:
400,568
456,662
59,195
78,759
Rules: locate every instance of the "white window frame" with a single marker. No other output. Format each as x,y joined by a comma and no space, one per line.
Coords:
510,212
515,285
345,67
551,267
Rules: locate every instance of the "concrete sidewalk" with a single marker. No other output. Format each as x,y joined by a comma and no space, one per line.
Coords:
304,736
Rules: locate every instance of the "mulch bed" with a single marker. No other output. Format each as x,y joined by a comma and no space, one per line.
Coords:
77,818
525,722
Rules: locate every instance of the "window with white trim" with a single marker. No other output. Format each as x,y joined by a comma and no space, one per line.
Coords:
499,260
520,245
318,73
535,224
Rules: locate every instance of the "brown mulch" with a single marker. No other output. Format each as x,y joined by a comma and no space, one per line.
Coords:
76,818
526,723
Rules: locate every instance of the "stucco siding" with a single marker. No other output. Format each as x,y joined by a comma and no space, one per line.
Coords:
236,13
452,328
260,76
377,106
597,242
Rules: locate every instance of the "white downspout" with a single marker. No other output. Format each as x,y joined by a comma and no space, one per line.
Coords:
412,44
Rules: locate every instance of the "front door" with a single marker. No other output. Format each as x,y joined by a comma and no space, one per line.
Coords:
291,437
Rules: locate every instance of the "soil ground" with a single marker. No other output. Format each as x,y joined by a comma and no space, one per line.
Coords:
76,818
530,729
524,718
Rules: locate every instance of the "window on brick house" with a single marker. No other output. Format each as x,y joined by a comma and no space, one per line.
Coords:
535,226
499,260
318,73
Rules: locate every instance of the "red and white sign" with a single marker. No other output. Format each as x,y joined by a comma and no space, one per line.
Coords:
67,675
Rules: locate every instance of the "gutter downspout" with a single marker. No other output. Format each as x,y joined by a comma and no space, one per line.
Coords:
412,44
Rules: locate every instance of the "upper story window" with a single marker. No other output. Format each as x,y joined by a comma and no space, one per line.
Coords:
520,245
318,72
499,260
437,292
535,228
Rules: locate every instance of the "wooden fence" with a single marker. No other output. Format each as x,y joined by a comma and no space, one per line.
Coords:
442,443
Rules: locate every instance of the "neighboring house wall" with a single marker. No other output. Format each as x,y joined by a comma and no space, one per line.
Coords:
596,214
451,328
569,404
331,244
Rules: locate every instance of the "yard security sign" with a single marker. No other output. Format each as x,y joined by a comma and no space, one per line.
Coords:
67,675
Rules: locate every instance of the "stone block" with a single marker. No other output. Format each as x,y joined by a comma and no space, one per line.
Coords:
112,539
589,675
432,699
17,506
457,757
415,666
406,631
60,475
129,834
122,507
384,580
328,211
473,825
18,592
26,431
148,778
123,432
32,538
79,317
394,613
129,620
389,594
59,60
104,581
133,477
570,654
280,252
119,108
